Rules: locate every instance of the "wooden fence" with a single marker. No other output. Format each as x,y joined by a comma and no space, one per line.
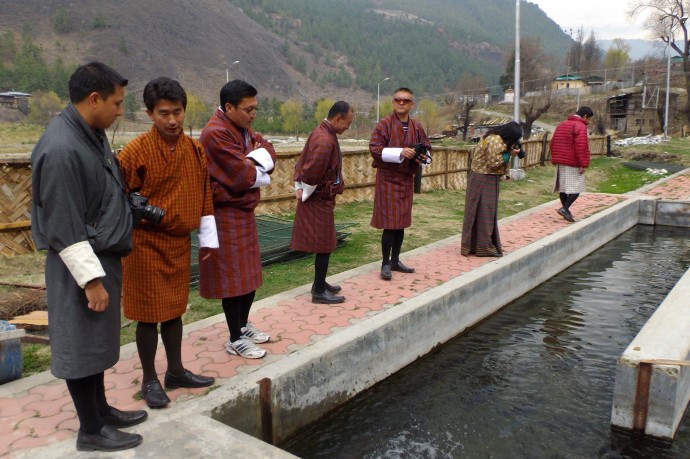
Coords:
448,171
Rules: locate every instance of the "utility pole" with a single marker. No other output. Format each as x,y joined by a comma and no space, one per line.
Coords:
516,173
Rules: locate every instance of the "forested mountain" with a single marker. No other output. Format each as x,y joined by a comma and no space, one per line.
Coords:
287,48
425,44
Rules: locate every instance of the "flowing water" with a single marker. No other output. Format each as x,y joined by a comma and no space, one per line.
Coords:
533,381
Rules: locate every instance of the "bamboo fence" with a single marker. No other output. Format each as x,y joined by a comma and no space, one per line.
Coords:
448,171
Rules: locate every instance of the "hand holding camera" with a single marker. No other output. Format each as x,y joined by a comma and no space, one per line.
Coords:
420,153
142,209
520,151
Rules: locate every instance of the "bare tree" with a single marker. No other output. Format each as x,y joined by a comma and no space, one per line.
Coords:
667,20
534,66
591,54
463,108
575,51
460,106
532,108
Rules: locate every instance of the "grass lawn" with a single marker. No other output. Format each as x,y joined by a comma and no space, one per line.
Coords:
436,215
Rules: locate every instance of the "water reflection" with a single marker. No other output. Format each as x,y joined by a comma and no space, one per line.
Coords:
535,380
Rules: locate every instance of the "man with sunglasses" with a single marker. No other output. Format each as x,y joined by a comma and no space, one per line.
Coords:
239,163
391,146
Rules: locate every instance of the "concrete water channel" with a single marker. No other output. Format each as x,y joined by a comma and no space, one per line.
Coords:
535,380
322,357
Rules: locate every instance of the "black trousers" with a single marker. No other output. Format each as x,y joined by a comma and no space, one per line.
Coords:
88,396
236,309
391,244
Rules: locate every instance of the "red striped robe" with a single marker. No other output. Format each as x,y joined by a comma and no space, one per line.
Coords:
320,165
155,282
394,182
235,268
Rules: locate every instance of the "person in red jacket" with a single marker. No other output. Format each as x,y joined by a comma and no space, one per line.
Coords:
570,153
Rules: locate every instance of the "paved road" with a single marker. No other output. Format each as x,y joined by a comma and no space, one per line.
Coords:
539,124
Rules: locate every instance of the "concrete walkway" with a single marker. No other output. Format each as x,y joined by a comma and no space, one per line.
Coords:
37,411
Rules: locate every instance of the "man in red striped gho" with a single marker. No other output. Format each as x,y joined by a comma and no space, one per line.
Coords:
391,146
318,180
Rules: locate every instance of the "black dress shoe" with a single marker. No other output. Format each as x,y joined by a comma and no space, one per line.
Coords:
118,418
398,266
107,439
386,272
154,395
333,288
187,379
329,287
563,212
496,254
326,298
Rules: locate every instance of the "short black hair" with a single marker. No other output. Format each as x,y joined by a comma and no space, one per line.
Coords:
94,77
164,88
341,108
584,111
234,91
403,88
509,132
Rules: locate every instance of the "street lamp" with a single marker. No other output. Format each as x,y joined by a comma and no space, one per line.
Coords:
378,97
227,71
516,173
668,72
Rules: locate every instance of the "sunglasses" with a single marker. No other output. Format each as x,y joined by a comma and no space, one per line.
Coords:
249,111
401,100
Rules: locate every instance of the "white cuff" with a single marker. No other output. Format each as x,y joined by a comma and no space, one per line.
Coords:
263,157
262,178
307,190
82,262
392,155
298,186
428,158
208,234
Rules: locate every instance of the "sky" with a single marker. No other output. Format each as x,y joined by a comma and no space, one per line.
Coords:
607,18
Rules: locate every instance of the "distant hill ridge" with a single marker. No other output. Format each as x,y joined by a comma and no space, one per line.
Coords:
286,48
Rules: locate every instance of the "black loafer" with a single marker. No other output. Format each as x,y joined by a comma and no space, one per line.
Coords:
386,272
118,418
398,266
154,395
107,439
326,298
566,214
333,288
187,379
329,287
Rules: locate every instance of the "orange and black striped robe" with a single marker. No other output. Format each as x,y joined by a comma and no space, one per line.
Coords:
156,274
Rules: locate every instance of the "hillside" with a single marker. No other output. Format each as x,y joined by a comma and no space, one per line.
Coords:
287,48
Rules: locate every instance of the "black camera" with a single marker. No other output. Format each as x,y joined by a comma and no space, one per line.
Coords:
517,146
420,153
142,209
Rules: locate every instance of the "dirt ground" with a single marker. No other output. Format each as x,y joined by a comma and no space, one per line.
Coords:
17,271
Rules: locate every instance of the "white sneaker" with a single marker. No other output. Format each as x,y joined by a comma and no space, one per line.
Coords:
252,334
244,348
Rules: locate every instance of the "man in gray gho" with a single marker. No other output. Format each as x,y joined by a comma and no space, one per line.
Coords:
81,216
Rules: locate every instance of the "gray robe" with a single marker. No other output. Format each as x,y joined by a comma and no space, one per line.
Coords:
77,197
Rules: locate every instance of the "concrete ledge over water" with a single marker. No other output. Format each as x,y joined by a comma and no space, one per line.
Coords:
655,404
